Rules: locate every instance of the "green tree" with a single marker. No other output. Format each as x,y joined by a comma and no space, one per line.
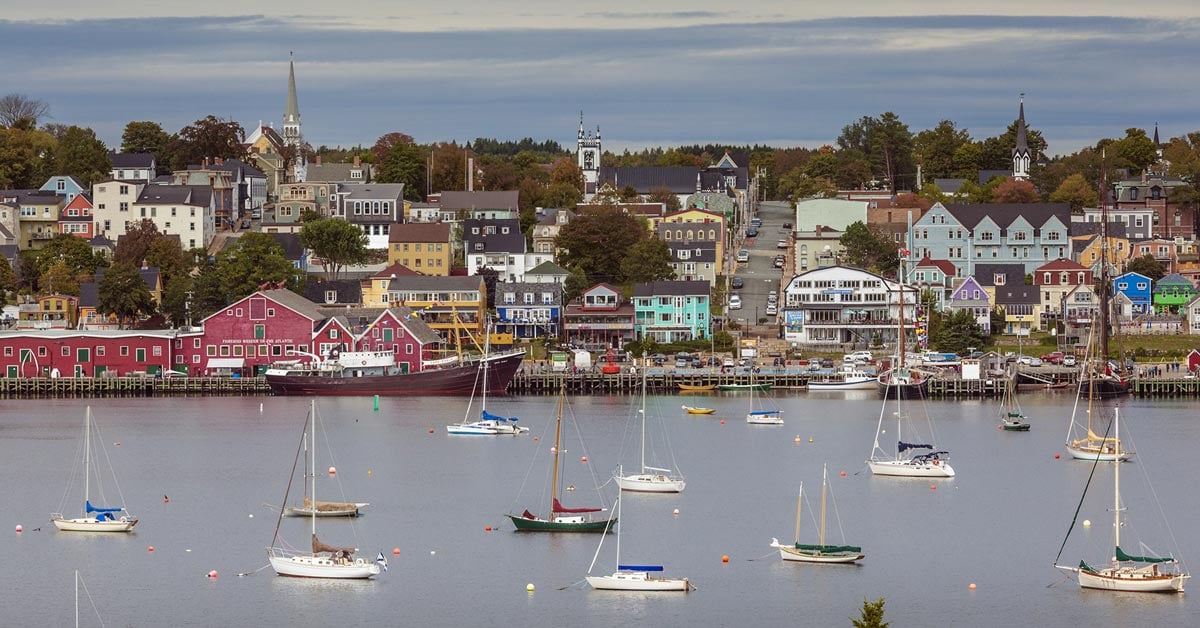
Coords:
936,148
175,299
75,252
404,163
968,160
869,249
26,157
1135,150
255,259
871,615
59,278
1015,191
166,254
853,170
597,240
208,137
8,279
822,166
147,137
647,260
336,242
82,155
1148,266
955,331
132,247
561,195
1076,192
123,293
888,143
575,284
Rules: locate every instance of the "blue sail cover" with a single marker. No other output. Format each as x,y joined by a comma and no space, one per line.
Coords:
90,508
639,567
902,446
488,416
762,412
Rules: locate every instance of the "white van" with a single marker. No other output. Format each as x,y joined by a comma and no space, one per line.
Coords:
735,302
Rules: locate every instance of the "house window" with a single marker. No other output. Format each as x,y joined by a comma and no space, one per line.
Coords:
1133,193
260,331
408,348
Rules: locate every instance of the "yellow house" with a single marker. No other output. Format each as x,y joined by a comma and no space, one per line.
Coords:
1118,250
375,288
422,247
453,306
693,225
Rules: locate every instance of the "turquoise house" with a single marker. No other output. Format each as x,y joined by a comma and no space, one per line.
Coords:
671,311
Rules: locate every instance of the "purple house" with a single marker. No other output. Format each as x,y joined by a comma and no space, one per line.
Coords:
971,296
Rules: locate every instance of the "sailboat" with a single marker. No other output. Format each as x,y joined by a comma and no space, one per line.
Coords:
1125,572
94,518
1083,443
819,553
1011,417
324,561
761,417
650,479
900,381
699,410
488,424
313,508
633,577
561,518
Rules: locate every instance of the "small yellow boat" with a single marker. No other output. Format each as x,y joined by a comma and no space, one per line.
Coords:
694,410
697,388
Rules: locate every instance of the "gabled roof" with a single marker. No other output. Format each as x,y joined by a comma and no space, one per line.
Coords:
1060,264
949,186
1014,274
1017,295
551,217
946,266
697,251
395,270
420,232
371,191
348,290
497,242
292,249
411,321
292,301
1116,229
1003,214
235,165
672,288
499,199
337,173
677,179
547,268
435,284
1174,279
174,195
128,161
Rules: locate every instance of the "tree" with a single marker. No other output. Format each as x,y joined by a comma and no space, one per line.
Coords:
871,616
176,299
597,240
21,111
147,137
59,278
8,279
1148,266
208,137
1135,150
167,255
955,331
866,248
666,197
565,170
575,284
448,167
403,163
82,155
1076,192
26,157
1015,191
123,293
561,195
336,242
647,260
490,277
888,143
254,260
74,252
386,143
936,148
132,247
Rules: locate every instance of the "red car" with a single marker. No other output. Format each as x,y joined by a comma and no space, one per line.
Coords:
1055,357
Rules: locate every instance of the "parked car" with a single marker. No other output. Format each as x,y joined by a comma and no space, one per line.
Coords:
779,261
756,221
782,244
738,283
246,223
752,232
735,302
1068,360
1054,357
728,363
772,309
658,359
256,214
787,225
743,255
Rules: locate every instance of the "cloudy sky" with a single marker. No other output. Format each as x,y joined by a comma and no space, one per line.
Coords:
649,73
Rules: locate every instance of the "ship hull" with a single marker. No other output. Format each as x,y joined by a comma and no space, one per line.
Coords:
458,380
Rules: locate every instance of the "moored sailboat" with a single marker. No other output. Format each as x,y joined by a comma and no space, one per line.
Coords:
819,553
650,479
1012,419
324,561
634,577
94,518
1125,572
767,416
488,424
561,518
1083,443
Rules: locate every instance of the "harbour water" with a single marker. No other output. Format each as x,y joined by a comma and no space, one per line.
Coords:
224,466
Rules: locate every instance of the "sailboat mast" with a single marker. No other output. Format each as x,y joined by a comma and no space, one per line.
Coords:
87,459
487,343
1103,262
644,420
900,340
824,489
799,502
557,433
312,452
1117,479
76,598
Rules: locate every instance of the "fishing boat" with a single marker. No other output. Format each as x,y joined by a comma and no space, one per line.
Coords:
819,553
1083,443
488,424
698,410
849,378
762,416
697,387
650,479
94,518
633,577
376,373
561,518
324,561
1012,419
1125,572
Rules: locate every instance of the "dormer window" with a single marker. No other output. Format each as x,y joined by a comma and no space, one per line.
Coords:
1133,194
489,230
356,174
331,296
475,230
1156,193
504,230
998,279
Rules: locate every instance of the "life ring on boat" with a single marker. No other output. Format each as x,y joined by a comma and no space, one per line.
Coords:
364,362
936,462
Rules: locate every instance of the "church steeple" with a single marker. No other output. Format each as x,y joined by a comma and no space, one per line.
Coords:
1158,147
587,153
291,114
1020,154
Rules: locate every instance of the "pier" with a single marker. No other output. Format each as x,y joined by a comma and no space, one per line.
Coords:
43,387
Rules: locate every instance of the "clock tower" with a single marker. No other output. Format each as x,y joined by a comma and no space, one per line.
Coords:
588,156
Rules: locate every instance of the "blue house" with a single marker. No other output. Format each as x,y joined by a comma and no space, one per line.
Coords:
670,311
65,186
1030,234
1137,288
529,310
972,297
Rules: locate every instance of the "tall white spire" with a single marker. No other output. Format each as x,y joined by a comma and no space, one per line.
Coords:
1021,157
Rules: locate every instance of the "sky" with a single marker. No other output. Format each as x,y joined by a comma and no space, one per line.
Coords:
783,73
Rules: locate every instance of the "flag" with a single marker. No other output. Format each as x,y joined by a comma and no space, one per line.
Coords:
381,561
903,252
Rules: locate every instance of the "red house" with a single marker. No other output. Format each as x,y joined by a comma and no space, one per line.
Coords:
70,353
76,218
1055,280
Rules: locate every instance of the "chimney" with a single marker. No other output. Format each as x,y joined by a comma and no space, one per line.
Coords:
318,159
471,174
357,161
205,162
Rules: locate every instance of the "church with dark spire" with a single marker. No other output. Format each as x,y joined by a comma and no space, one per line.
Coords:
292,136
1021,157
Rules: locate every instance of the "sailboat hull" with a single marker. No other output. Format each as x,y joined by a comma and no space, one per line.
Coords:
893,389
638,581
1138,580
795,555
758,418
524,524
485,428
300,511
650,483
90,524
910,469
307,566
1103,455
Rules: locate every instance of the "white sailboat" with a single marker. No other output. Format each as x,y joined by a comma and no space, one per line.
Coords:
324,561
650,479
1012,419
94,518
761,417
488,424
1082,441
313,508
917,460
820,553
633,577
1161,574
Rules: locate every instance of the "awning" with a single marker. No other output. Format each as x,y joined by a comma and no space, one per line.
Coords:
226,363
